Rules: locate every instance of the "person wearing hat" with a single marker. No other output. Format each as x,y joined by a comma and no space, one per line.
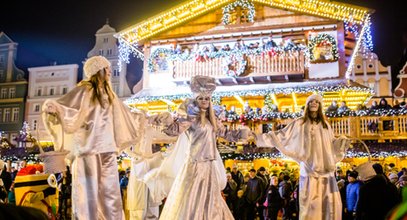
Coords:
352,195
95,125
310,141
193,175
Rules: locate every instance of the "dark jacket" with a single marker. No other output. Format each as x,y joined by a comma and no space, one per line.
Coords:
274,200
375,199
254,190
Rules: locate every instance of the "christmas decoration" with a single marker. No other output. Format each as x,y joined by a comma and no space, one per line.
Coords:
303,88
244,4
328,46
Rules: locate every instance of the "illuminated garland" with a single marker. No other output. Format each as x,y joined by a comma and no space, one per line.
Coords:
305,88
243,4
200,56
324,39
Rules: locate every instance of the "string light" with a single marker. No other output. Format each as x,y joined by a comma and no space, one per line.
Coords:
189,10
303,88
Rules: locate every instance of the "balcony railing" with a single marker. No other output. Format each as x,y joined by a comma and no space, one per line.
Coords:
282,63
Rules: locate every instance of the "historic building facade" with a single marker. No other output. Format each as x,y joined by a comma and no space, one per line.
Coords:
13,89
44,83
106,45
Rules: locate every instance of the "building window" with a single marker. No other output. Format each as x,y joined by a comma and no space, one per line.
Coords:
37,108
116,88
16,114
1,115
109,52
34,125
39,91
116,72
101,52
51,91
1,60
6,116
105,40
1,74
3,93
12,93
64,90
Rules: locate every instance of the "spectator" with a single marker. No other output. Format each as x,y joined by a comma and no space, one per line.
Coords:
396,105
383,104
237,176
270,43
285,190
343,108
393,178
261,174
374,105
253,194
230,191
333,107
352,195
274,200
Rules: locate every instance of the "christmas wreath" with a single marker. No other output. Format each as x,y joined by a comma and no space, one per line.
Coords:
323,40
235,65
242,3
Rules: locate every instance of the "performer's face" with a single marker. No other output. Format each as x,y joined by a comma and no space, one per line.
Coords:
313,105
203,101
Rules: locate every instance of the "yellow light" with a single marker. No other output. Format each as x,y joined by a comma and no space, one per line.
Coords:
274,98
168,102
238,98
294,99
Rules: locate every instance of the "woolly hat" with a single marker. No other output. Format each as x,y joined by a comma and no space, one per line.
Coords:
94,64
202,85
315,97
393,176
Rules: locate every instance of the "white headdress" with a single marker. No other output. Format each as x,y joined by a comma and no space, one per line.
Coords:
315,97
202,86
94,64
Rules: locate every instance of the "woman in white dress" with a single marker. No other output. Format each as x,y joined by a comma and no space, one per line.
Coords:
309,140
94,124
195,194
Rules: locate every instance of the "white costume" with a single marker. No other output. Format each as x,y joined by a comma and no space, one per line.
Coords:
317,151
195,163
93,132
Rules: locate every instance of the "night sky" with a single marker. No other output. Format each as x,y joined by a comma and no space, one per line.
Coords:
63,31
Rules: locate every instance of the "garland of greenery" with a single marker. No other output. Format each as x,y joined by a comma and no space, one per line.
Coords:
322,38
170,55
242,3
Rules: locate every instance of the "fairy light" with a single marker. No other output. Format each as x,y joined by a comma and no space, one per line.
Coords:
196,8
357,47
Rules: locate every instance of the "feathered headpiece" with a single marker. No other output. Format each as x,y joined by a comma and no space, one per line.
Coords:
94,64
202,86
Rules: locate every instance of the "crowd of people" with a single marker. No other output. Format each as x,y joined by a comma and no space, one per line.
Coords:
383,105
263,194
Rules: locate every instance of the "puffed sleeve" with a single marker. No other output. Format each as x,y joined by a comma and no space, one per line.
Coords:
64,116
187,113
289,140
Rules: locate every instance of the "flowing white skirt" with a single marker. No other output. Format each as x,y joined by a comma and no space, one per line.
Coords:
196,194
